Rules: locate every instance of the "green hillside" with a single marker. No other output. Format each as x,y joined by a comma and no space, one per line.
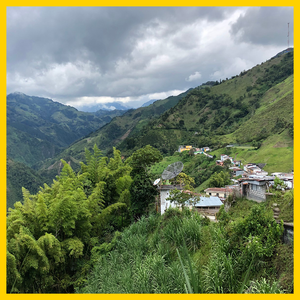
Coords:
28,149
39,128
19,175
255,107
208,116
120,127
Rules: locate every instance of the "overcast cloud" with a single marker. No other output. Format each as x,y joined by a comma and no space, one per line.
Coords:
87,55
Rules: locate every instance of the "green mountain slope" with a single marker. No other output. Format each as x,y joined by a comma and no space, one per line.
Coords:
39,128
250,107
273,116
108,115
116,131
19,175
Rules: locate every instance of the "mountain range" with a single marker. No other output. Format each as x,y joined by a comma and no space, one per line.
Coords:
39,128
254,108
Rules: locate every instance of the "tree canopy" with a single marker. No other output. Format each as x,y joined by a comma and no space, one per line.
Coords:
53,235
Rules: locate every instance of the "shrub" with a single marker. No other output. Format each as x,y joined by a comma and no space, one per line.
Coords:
264,286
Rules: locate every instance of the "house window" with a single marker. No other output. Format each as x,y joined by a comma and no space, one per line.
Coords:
254,187
217,194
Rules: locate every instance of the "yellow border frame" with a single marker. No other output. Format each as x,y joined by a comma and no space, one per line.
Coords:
134,3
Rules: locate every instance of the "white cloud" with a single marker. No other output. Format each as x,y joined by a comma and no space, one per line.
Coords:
196,76
135,53
130,101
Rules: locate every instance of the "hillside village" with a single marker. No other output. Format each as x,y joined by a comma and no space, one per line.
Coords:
249,180
150,150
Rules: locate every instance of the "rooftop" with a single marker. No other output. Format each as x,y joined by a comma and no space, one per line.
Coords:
209,201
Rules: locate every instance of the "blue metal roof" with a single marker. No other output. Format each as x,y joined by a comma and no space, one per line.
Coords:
209,201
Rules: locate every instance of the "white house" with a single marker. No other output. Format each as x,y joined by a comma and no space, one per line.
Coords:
225,157
254,169
164,194
221,193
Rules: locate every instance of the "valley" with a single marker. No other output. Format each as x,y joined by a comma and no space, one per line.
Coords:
84,191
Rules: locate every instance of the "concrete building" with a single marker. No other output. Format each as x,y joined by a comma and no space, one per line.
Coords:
255,187
205,205
164,193
222,192
236,171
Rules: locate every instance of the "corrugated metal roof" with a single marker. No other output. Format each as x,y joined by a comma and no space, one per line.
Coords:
209,201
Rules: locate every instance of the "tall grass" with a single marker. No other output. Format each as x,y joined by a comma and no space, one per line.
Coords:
145,260
160,254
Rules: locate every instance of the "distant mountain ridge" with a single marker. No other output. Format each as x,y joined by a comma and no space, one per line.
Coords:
108,106
114,132
149,102
38,128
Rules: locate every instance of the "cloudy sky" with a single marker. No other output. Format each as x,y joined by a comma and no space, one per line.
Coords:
86,55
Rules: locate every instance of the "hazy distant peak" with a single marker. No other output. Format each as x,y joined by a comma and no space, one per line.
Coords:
17,94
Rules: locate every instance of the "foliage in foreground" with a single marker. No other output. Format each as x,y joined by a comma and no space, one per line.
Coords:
53,236
160,254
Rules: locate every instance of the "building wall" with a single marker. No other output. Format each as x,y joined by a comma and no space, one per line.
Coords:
256,192
208,210
218,194
165,204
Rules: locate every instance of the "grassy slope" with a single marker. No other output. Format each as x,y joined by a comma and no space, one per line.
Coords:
276,152
269,123
144,260
236,109
276,104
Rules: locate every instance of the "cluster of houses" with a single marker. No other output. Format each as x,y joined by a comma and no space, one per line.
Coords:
254,183
202,150
224,157
256,186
